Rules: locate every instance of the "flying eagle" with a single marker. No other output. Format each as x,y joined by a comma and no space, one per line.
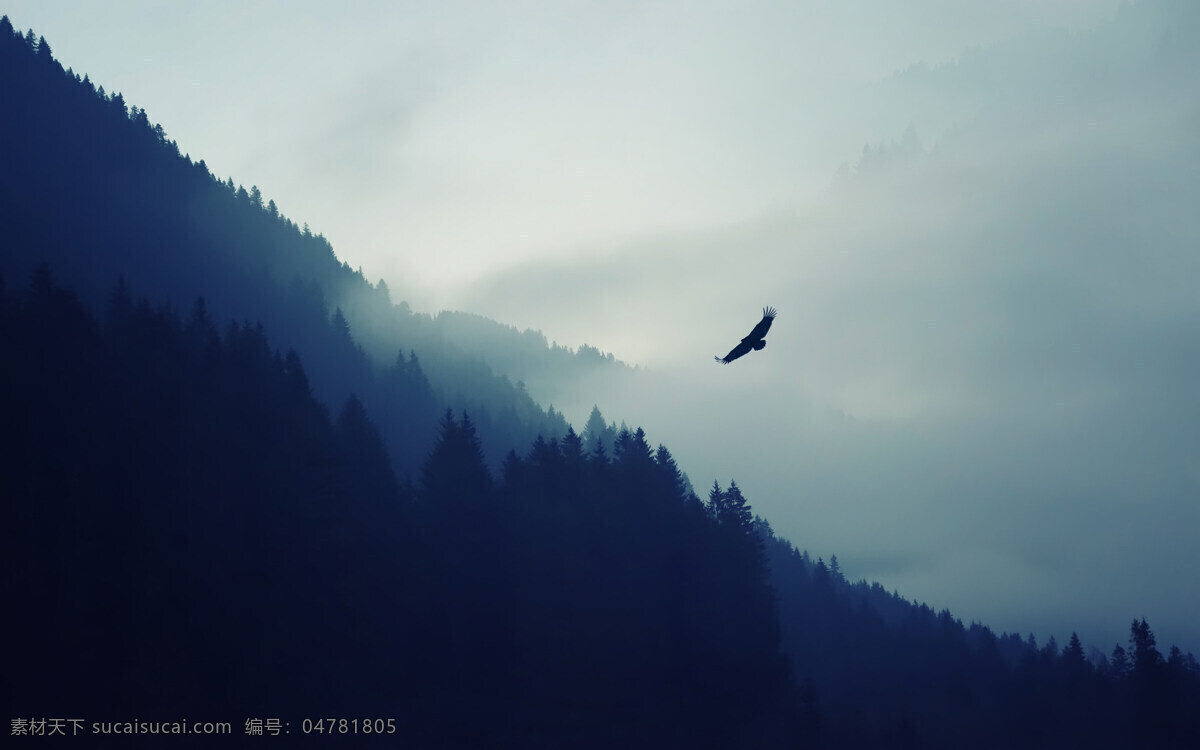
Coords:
754,341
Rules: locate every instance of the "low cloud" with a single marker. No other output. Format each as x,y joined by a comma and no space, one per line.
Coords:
981,385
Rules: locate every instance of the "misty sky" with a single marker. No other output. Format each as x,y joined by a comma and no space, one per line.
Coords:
436,142
980,388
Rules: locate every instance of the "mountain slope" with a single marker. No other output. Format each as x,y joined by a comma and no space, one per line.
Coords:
97,192
191,534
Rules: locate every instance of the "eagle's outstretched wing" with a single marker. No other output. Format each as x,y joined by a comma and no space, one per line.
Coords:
754,341
763,326
734,353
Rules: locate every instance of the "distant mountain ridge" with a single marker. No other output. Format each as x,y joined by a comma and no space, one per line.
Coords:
554,375
1038,82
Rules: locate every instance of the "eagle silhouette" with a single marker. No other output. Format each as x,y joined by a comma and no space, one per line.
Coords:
754,341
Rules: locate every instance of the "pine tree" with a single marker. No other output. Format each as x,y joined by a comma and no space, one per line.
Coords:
455,475
369,476
737,511
593,431
1119,662
1145,656
821,575
622,446
1049,653
598,458
572,448
716,502
1073,659
294,373
669,472
341,326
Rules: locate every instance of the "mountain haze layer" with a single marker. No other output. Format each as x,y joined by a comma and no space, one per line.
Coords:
986,335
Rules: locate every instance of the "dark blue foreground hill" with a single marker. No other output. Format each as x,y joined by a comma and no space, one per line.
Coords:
190,534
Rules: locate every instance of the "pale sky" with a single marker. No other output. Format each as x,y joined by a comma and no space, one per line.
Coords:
435,142
980,387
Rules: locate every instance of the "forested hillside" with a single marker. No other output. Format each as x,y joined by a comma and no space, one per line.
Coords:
189,532
179,504
93,189
571,380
